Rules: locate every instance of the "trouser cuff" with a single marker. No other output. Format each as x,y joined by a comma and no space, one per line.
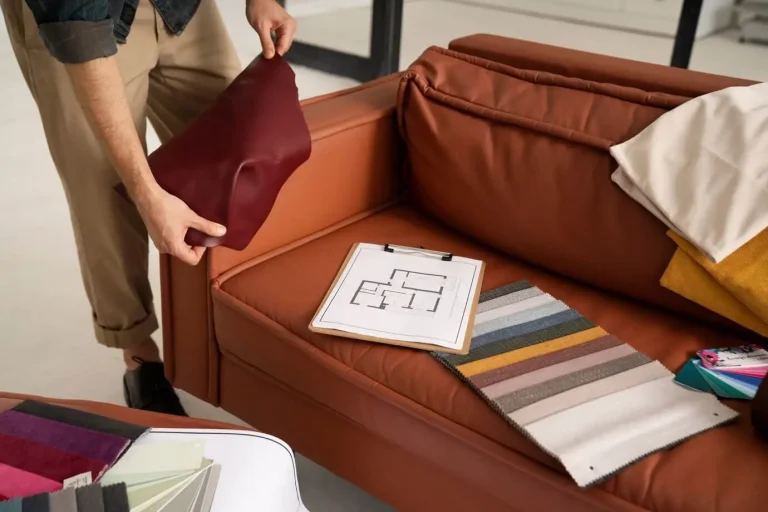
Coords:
127,338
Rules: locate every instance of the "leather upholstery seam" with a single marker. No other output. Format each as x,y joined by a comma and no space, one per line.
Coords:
527,123
661,100
341,126
352,90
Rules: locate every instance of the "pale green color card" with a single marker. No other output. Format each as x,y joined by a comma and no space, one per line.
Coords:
145,463
167,490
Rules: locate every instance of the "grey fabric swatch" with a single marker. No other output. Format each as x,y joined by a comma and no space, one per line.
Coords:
506,300
89,499
36,503
519,399
504,290
115,498
10,505
535,319
64,501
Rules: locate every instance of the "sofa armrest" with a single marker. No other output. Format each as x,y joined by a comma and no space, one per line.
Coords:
592,66
353,171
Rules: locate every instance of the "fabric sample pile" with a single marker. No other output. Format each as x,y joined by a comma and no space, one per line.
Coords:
702,170
46,451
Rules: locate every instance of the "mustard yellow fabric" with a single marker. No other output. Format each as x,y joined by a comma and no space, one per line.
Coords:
736,288
540,349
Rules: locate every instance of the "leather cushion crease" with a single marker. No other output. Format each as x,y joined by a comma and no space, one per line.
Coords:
230,163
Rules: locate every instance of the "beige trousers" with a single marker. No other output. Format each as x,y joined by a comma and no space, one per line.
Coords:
169,80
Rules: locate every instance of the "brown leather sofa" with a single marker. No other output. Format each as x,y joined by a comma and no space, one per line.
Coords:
496,150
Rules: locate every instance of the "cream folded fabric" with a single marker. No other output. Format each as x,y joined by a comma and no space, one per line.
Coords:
702,169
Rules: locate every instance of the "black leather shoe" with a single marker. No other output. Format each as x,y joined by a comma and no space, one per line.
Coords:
147,388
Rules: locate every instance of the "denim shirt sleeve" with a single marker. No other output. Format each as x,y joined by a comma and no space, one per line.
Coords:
75,31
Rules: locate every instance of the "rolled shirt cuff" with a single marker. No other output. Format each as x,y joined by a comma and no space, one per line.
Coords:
76,42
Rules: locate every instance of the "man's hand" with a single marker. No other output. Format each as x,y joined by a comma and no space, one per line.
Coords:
168,218
101,93
267,16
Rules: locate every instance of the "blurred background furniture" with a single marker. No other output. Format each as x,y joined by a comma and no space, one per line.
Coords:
384,50
648,16
685,20
752,21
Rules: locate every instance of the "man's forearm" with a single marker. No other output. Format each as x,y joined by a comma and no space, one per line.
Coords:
101,93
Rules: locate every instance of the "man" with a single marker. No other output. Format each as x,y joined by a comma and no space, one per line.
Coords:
97,70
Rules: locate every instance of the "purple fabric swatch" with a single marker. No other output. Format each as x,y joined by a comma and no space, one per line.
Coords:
47,461
88,443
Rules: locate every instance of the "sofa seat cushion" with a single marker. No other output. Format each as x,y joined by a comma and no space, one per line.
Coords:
286,290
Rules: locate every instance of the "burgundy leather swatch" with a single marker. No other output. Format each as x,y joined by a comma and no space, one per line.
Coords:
16,483
231,162
88,443
46,461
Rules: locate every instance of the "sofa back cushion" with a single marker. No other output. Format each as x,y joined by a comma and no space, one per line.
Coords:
518,159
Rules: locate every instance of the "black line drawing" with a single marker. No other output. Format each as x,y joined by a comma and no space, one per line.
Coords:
406,292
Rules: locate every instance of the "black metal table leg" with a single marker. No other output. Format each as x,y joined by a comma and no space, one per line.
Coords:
686,33
386,30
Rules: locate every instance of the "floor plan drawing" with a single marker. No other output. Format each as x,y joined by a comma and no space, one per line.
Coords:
402,297
406,292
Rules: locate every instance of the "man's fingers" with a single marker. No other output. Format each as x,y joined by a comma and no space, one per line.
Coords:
207,227
285,37
267,46
189,255
199,251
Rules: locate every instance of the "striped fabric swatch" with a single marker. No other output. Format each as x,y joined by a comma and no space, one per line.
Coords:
589,400
46,461
95,445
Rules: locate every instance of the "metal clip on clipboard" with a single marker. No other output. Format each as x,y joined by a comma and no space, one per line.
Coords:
445,256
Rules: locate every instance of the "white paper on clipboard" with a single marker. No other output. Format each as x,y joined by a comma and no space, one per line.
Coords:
404,295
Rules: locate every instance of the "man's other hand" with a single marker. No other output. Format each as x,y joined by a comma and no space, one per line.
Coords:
267,16
168,219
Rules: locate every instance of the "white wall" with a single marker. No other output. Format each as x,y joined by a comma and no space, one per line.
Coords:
650,16
299,8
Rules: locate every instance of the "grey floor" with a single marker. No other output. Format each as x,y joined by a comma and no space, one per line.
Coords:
46,345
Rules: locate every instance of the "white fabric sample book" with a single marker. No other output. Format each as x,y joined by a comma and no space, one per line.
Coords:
257,471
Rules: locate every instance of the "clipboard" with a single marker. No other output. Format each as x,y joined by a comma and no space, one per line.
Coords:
474,298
